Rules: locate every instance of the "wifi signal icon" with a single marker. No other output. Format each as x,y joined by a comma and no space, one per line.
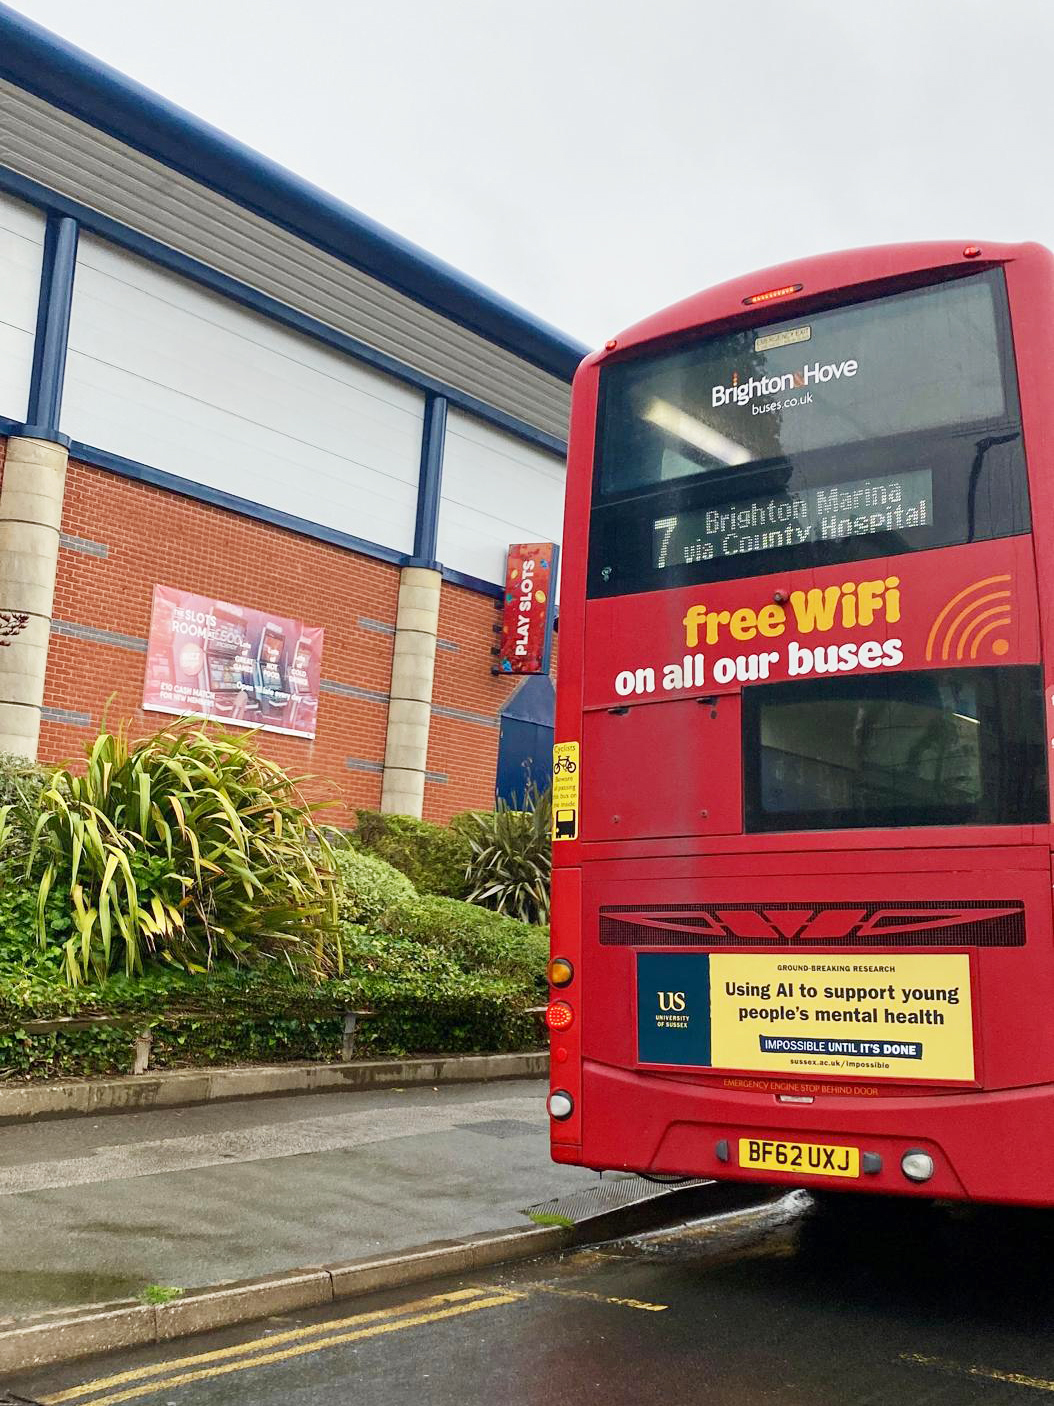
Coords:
970,617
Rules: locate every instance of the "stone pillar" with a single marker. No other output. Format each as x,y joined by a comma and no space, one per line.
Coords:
30,517
410,708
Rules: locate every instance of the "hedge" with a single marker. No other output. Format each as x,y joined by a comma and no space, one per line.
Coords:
368,885
475,938
266,1016
441,976
435,858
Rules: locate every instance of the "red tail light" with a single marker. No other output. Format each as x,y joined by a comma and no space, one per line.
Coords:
771,293
559,1016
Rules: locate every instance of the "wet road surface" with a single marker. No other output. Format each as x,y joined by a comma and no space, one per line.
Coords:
790,1304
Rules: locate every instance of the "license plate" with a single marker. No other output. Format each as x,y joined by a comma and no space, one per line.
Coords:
814,1159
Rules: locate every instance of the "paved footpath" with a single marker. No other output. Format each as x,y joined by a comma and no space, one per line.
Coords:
95,1209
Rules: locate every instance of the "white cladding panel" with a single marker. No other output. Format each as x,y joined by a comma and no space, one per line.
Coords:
21,247
68,155
496,490
168,374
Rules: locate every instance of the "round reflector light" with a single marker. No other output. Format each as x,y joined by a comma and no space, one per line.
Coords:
561,1105
561,972
917,1165
971,251
559,1016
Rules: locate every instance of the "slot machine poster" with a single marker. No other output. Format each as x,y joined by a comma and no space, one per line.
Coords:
238,666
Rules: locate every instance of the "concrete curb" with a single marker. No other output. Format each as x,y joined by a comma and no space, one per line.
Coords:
25,1103
67,1334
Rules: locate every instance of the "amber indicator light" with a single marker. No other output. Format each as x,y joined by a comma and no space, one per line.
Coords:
561,972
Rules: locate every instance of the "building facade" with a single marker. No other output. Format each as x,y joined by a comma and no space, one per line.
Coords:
217,379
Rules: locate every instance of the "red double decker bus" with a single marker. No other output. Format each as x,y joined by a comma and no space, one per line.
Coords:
802,895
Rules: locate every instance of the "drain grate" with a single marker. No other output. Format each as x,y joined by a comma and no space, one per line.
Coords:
611,1193
503,1127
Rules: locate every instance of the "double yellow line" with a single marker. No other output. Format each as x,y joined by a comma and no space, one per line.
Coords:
279,1347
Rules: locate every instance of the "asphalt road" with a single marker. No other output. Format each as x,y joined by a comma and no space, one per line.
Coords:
786,1306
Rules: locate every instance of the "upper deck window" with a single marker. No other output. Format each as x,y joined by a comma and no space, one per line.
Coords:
867,430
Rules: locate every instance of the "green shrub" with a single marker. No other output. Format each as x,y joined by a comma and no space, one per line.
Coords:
367,885
434,857
470,1013
422,1002
21,783
20,950
511,864
477,940
184,846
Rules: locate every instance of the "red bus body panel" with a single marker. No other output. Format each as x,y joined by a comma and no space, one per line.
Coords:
661,827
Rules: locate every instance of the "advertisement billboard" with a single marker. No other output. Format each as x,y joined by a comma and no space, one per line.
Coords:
238,666
527,617
887,1015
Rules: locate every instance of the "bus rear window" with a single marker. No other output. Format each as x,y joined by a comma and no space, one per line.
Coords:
940,747
867,430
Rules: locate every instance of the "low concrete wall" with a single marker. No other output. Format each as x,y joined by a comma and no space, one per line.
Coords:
167,1089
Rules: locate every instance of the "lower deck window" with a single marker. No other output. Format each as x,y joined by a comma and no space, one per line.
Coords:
938,747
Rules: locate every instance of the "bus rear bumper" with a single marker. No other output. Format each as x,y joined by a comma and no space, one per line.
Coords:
985,1146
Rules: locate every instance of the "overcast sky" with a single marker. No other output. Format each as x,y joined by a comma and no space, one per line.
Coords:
595,160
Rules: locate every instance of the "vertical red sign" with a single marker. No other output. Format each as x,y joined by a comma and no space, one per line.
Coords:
527,620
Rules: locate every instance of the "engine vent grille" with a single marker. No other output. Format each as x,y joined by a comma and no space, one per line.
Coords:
972,923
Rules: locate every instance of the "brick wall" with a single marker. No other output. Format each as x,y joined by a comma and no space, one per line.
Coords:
467,701
121,538
466,704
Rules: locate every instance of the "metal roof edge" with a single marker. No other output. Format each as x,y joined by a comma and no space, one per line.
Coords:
42,63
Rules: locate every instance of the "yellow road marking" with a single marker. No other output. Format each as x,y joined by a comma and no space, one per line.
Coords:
584,1294
302,1349
602,1298
271,1341
988,1374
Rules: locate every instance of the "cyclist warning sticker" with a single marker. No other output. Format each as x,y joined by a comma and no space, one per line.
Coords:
565,791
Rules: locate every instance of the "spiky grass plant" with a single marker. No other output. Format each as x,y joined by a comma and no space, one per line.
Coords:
511,862
183,847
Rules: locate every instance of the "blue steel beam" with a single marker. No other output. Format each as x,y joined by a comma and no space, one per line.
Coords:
58,268
430,482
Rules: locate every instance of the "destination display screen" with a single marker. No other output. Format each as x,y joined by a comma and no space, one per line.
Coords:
838,434
832,513
903,364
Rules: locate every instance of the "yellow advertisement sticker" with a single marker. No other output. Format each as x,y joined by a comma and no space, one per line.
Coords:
566,776
885,1016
